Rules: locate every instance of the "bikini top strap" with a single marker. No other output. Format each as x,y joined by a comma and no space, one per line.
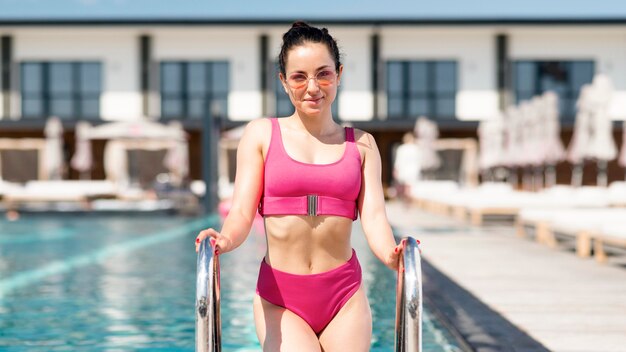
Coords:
276,138
349,134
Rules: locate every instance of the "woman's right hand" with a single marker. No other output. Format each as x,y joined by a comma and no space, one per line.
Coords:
220,243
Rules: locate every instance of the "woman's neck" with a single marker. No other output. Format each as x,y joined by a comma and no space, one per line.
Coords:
318,126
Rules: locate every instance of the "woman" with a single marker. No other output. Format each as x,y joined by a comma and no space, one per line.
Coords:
309,177
406,168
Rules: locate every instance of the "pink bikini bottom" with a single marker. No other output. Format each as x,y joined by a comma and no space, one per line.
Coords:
316,298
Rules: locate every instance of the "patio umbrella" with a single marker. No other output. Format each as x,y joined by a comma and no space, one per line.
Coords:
491,142
577,150
525,133
512,143
602,146
554,152
534,137
82,159
529,157
536,132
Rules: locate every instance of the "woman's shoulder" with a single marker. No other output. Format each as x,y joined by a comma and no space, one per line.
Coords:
257,132
366,144
258,126
364,138
262,122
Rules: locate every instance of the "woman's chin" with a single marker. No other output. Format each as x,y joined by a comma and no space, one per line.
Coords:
313,111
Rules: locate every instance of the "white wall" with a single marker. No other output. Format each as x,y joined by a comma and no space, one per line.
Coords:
238,46
116,49
472,48
356,101
605,46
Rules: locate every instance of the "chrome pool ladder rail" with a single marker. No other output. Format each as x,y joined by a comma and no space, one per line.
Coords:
208,322
409,299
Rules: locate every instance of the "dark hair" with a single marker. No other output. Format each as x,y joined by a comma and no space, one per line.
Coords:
300,33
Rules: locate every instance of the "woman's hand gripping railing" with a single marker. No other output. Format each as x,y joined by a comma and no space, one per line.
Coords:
208,324
409,299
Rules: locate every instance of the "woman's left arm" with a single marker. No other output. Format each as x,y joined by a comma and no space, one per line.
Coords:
371,205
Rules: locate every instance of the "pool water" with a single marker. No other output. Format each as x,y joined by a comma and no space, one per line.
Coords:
118,283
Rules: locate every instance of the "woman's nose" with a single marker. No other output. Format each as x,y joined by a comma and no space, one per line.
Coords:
312,85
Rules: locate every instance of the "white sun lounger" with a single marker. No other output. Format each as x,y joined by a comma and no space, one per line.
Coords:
7,187
611,236
456,203
579,224
501,199
617,194
555,201
427,194
37,192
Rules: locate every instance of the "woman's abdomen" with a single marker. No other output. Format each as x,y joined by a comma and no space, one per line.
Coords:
307,244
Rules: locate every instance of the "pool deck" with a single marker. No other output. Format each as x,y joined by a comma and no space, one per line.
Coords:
549,298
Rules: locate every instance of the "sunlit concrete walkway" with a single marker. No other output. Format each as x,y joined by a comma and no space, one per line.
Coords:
565,303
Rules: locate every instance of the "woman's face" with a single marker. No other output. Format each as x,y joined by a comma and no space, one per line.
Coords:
311,80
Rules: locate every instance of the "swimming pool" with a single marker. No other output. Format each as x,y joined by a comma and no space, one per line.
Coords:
99,283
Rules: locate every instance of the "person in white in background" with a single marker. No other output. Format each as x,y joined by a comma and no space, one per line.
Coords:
427,132
406,167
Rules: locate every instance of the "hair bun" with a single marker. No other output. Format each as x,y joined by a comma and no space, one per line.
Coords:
300,24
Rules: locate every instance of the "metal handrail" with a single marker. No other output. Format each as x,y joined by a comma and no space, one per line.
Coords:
409,299
208,323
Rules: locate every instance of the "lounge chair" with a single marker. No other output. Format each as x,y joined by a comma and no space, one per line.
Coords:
610,238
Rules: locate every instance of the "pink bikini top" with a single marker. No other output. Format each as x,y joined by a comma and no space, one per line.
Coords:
292,187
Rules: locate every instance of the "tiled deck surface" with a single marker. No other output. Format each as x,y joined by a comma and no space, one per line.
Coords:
565,303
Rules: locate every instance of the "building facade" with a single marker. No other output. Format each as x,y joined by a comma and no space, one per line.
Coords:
456,73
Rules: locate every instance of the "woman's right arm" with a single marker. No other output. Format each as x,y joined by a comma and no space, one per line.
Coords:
247,192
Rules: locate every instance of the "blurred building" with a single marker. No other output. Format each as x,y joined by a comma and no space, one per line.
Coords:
456,67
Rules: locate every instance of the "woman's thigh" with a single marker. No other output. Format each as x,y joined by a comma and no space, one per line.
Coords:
352,326
279,329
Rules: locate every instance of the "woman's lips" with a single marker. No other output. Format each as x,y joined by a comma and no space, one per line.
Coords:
314,101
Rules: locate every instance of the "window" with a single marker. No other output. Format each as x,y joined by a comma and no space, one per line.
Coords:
190,90
416,88
284,107
565,78
69,90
